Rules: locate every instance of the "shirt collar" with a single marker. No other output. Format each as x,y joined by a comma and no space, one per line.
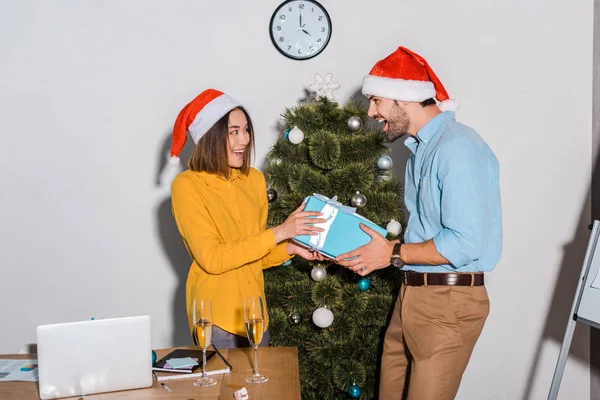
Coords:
210,178
427,132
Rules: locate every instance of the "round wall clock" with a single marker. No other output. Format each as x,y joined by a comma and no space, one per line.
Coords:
300,29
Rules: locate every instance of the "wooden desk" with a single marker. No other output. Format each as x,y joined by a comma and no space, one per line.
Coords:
280,364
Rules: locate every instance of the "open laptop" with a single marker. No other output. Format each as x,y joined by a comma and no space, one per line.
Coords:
96,356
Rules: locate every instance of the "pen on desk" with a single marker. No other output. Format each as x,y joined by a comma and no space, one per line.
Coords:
168,389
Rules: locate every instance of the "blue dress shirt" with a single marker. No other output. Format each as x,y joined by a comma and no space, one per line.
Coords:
452,193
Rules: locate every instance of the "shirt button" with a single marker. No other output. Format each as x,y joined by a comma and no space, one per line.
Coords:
239,221
249,282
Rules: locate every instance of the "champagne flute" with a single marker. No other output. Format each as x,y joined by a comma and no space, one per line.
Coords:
203,324
254,317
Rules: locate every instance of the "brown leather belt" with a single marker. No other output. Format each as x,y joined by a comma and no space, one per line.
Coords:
412,278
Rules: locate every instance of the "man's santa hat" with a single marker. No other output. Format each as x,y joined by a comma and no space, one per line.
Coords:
406,76
198,117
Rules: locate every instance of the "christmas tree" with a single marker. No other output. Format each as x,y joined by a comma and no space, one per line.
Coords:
328,149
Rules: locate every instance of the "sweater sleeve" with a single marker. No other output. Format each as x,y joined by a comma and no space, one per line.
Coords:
279,254
202,239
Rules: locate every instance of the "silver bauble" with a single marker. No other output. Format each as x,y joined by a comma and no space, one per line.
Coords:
295,318
318,274
271,195
384,163
359,200
354,123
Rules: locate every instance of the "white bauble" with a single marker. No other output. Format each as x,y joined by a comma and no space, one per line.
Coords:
318,274
322,317
394,227
295,135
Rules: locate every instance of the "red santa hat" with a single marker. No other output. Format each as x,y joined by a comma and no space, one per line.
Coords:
198,117
406,76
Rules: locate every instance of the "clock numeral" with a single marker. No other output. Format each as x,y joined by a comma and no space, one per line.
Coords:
289,47
278,28
290,9
320,18
282,17
313,9
281,38
323,29
301,6
320,40
311,49
299,51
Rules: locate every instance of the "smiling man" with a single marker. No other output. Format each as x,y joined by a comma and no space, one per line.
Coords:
453,235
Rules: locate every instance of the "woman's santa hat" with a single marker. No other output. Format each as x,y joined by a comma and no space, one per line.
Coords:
198,117
406,76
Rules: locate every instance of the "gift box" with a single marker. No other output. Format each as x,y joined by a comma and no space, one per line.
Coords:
342,230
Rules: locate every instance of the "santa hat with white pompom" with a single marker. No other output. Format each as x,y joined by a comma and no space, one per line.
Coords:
406,76
198,117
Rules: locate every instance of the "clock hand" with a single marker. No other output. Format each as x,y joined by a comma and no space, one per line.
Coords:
306,32
300,17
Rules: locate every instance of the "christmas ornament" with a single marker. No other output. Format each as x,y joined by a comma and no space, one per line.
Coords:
322,317
276,161
354,391
363,284
358,200
354,123
324,86
294,135
153,357
385,162
295,318
271,195
394,227
383,177
286,263
318,274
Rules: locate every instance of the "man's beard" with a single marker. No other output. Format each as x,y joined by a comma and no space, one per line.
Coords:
398,123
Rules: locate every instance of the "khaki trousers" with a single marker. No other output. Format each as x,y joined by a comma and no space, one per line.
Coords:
429,341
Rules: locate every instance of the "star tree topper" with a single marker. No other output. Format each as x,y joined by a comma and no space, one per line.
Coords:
324,86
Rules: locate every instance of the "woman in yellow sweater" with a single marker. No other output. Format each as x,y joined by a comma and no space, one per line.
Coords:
220,206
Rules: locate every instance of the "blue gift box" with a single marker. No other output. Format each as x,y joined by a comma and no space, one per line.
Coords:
342,231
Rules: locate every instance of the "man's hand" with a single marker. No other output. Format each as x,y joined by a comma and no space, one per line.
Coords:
372,256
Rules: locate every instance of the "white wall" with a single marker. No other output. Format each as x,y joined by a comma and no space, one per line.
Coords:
89,91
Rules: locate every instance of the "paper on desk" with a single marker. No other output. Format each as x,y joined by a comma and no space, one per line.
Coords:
18,370
181,362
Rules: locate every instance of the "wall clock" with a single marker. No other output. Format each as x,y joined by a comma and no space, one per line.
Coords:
300,29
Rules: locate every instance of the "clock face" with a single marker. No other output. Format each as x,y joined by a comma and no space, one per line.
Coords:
300,29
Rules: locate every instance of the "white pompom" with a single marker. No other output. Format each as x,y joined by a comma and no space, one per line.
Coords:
322,317
394,227
448,105
174,160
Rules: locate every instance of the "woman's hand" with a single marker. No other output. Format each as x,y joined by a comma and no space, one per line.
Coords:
310,255
299,223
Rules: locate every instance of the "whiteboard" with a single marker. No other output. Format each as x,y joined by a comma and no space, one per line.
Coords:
588,306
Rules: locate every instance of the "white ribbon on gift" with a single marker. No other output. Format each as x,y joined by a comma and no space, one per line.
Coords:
329,211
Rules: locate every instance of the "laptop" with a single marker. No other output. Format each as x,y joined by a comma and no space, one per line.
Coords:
96,356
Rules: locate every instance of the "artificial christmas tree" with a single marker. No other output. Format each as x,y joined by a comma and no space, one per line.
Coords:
335,317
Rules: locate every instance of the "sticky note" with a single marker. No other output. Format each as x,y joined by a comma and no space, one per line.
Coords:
181,362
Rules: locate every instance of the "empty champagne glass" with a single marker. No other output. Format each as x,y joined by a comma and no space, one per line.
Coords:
254,317
203,324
